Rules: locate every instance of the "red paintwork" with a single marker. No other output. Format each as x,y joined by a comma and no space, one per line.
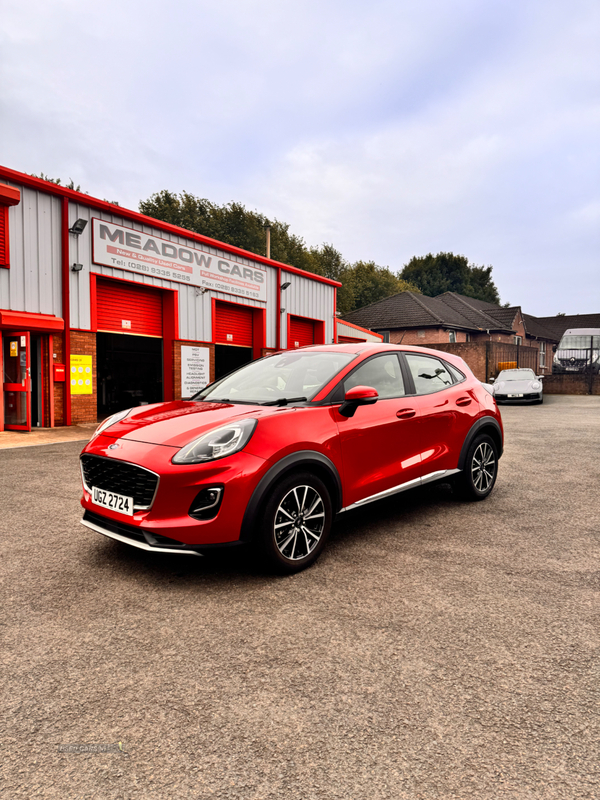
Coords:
383,445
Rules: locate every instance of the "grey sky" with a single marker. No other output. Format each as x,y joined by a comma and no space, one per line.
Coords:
388,128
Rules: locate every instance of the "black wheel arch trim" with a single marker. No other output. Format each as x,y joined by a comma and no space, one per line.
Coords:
294,461
478,427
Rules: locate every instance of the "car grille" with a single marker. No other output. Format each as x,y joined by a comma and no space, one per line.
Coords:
120,477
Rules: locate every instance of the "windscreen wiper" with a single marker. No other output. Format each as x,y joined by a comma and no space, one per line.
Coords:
283,401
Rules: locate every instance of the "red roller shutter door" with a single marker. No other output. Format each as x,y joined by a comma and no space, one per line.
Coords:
302,332
129,308
233,324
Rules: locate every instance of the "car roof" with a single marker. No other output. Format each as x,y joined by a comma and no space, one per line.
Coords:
372,348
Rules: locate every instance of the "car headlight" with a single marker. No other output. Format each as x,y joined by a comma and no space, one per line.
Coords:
218,443
535,385
111,421
499,385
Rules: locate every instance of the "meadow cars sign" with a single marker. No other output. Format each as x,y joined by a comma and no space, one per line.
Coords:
124,248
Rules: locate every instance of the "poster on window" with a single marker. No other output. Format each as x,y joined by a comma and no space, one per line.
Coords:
195,370
81,375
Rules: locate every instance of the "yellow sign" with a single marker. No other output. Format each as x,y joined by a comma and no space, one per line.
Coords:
14,348
81,375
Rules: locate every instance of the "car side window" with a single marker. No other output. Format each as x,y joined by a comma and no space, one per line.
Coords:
429,374
382,373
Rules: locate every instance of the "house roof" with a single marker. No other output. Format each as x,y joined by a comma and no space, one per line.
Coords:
483,315
535,327
410,310
558,325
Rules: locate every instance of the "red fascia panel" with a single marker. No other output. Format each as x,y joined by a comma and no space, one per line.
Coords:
9,195
31,322
93,202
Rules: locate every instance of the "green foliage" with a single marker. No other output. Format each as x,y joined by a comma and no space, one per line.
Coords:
446,272
58,182
362,283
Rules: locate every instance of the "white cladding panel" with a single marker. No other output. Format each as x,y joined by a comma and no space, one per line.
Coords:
307,298
347,330
195,307
32,283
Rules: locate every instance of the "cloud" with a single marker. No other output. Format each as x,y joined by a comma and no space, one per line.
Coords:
389,129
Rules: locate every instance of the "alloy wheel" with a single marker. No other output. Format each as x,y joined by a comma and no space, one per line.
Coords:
299,522
483,467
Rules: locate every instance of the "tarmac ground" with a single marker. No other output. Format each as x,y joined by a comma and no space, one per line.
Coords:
438,649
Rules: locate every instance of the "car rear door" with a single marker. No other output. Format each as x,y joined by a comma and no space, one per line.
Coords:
446,406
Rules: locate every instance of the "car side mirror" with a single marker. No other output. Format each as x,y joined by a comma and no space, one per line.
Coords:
358,396
491,380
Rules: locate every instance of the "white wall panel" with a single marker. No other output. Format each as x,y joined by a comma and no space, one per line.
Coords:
307,298
32,283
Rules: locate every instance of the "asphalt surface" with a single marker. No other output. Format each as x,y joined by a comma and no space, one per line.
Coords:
437,649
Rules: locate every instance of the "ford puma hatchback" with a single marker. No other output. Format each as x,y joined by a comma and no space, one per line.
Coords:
271,453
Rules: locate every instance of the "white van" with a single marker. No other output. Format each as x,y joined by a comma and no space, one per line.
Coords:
578,349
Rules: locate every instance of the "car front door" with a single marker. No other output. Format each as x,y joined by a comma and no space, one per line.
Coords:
380,443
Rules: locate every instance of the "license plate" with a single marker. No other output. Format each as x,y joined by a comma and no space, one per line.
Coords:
515,395
113,501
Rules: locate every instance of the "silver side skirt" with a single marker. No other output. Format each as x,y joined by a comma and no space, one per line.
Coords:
403,487
134,543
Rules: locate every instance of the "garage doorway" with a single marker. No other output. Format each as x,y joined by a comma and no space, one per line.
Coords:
130,371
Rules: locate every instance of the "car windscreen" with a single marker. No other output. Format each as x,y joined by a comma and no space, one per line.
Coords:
578,342
517,375
280,378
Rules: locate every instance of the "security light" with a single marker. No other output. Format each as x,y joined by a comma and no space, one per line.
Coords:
78,227
285,285
77,267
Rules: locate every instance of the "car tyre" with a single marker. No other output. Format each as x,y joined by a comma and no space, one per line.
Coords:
480,471
295,523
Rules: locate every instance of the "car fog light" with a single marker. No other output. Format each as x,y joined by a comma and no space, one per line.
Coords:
206,503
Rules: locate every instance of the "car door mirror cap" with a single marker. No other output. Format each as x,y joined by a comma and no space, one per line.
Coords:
358,396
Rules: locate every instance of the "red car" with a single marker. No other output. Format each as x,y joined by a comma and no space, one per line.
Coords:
270,453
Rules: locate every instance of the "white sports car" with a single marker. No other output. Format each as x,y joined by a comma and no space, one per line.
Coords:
518,386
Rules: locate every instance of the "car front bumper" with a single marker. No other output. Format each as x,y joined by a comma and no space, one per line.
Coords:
167,526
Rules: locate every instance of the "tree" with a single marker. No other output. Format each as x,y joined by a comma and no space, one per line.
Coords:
446,272
362,283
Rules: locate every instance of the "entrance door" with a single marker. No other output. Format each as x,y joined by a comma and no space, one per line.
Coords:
17,382
129,371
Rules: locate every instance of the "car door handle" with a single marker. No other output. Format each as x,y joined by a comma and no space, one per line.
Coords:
405,413
463,401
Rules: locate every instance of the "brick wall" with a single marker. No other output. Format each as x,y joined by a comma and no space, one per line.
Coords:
571,384
84,407
474,353
177,363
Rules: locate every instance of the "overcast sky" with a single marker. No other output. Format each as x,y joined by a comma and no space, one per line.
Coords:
389,128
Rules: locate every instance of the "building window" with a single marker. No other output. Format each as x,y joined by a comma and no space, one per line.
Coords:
386,336
420,334
517,340
542,355
4,249
452,337
467,337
